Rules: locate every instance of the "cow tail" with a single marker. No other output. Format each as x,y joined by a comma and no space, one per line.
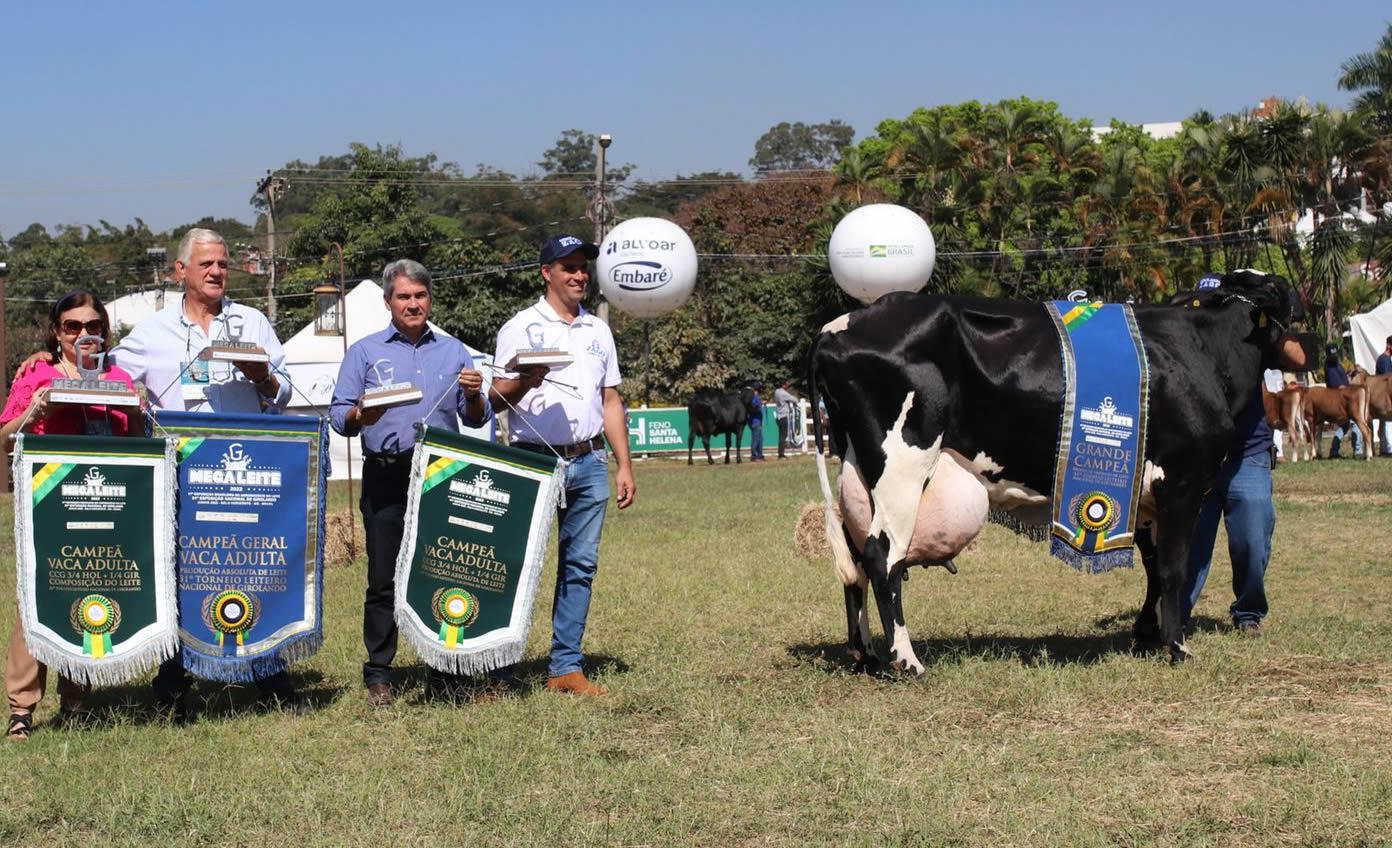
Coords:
846,569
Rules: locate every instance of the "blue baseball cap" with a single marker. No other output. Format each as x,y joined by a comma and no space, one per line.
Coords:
559,247
1210,281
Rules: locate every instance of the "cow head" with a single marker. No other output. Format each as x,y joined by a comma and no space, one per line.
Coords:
1274,305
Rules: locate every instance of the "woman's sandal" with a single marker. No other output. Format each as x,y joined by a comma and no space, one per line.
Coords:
20,727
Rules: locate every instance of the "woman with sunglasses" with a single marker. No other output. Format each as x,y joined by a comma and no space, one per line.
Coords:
75,316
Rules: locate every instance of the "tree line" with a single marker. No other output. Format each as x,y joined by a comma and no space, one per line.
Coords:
1023,201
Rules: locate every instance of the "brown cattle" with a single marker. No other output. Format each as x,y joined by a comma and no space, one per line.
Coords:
1285,410
1339,406
1379,392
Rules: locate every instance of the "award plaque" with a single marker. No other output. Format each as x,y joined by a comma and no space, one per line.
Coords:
393,394
552,359
89,389
228,351
232,348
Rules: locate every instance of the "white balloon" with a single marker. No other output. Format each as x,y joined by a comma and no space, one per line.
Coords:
647,267
879,249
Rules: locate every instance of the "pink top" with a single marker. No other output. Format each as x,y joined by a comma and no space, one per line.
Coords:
67,419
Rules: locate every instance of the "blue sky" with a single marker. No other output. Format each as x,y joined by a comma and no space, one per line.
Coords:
172,111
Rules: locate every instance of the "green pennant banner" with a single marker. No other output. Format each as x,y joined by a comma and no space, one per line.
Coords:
478,516
94,537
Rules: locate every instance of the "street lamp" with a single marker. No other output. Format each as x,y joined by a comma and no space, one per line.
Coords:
328,310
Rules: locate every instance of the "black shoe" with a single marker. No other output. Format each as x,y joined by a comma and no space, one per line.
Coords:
1249,628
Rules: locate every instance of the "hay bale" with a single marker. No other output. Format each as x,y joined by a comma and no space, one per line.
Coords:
809,533
342,543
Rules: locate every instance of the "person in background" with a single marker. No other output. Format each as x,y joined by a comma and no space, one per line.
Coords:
756,425
1334,377
407,350
1384,366
77,315
784,403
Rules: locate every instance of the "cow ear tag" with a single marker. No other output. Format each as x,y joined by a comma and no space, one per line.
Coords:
1195,303
1261,320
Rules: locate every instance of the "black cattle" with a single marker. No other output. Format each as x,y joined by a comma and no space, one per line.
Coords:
710,413
942,408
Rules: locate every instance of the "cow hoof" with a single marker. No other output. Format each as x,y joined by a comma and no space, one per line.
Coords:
710,462
864,664
1179,653
909,668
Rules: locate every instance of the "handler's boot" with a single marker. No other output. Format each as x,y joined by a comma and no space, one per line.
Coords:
575,683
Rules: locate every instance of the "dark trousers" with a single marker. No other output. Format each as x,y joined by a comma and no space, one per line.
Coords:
383,505
782,437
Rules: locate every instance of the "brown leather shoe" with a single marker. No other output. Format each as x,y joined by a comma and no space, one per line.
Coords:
379,695
575,683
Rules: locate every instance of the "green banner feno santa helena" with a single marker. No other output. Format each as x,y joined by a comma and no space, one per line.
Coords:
94,538
478,516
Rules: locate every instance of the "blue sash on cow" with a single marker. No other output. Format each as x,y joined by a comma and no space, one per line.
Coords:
1097,479
251,540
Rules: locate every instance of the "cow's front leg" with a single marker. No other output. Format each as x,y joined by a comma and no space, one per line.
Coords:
1172,568
705,440
888,583
1146,636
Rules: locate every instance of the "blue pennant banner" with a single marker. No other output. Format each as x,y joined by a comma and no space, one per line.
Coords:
250,540
1097,479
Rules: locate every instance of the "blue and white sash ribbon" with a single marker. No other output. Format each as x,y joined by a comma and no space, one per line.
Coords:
1097,478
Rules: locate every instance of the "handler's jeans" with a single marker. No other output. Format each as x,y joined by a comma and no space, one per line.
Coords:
1339,436
756,441
383,506
1242,494
587,498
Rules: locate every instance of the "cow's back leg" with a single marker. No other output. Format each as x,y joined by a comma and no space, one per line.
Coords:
705,442
907,470
1173,533
690,444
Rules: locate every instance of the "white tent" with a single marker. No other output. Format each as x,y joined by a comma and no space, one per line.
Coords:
1370,331
131,309
312,361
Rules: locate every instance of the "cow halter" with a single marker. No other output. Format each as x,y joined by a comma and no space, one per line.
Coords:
1230,296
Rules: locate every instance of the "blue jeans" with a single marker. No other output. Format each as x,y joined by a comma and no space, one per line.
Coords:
756,440
1242,495
1339,435
587,497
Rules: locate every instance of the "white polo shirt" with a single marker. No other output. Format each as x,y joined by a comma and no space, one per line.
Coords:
162,352
557,413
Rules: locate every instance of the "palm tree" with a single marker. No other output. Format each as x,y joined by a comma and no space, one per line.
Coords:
856,172
1370,74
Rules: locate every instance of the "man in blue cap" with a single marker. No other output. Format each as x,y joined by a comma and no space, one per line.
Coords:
570,414
1242,496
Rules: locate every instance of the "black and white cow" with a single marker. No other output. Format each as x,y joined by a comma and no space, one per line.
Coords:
710,413
943,408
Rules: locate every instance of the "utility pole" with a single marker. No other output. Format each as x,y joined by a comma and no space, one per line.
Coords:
4,377
156,255
600,211
274,189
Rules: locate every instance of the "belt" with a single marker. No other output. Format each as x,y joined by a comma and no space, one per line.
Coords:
566,451
386,460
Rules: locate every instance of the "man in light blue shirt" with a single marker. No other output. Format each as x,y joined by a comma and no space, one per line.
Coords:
410,352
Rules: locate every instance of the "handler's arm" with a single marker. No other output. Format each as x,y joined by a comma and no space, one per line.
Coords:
616,433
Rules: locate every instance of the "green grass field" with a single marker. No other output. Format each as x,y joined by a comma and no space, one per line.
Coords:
734,718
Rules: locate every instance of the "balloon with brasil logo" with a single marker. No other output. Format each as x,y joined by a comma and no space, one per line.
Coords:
647,267
879,249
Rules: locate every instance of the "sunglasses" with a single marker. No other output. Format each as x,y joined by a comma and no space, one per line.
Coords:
72,327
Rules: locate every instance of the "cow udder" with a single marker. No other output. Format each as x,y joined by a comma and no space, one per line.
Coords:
951,511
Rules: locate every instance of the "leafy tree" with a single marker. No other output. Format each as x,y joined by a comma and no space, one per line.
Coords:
575,154
798,146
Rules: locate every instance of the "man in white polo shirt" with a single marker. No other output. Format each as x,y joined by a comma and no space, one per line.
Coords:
571,411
